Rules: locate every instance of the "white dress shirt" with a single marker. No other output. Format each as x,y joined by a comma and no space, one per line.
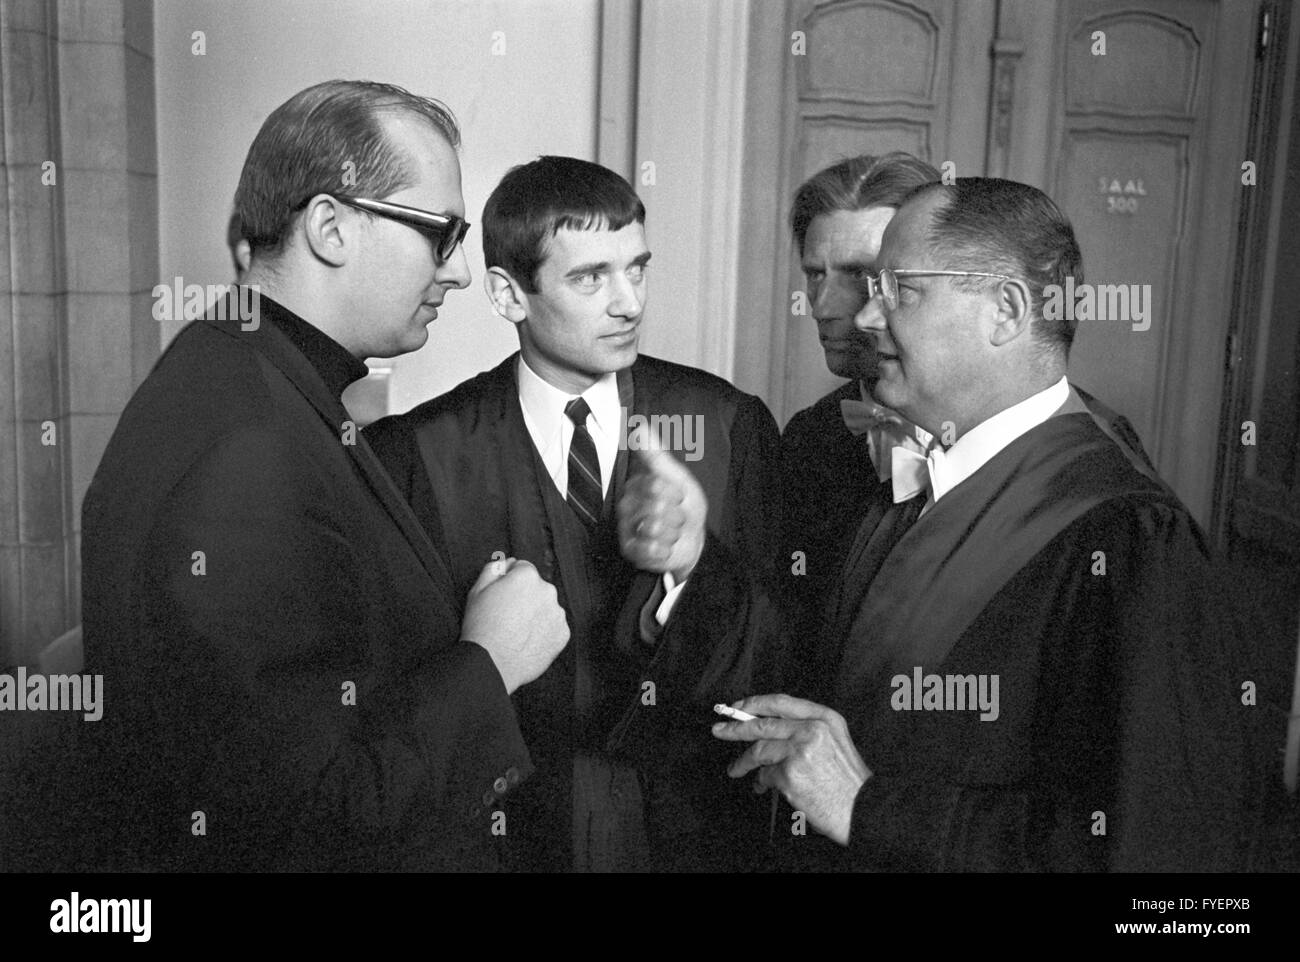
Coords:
977,447
552,433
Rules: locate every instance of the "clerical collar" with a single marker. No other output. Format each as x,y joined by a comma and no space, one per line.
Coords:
978,446
332,361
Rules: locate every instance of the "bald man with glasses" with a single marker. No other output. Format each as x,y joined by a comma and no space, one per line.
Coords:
1034,669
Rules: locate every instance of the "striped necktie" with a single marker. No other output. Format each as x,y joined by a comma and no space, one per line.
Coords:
585,495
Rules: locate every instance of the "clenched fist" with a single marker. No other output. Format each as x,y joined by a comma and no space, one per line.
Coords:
661,514
514,614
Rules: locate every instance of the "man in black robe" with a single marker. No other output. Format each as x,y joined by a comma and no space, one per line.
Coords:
289,684
531,458
835,454
1035,667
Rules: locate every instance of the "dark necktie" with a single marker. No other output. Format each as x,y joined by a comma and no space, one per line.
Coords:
585,495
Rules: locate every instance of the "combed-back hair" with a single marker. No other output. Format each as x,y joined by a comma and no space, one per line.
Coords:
327,139
856,184
1005,227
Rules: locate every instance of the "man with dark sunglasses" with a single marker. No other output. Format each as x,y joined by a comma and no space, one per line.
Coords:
297,683
444,231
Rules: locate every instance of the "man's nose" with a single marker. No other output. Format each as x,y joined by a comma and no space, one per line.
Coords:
871,317
454,271
628,299
831,301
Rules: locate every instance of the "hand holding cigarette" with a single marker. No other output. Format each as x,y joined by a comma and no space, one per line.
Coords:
804,750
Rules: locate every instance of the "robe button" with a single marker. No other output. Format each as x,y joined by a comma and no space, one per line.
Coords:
500,786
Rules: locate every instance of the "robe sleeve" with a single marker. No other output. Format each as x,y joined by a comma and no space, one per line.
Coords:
723,641
401,774
1184,744
753,525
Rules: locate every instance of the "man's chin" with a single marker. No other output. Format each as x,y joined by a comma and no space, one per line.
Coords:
417,339
841,365
623,356
889,392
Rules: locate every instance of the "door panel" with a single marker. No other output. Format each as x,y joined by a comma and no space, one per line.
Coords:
1132,119
878,75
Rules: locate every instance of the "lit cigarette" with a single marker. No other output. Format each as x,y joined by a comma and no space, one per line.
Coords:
735,713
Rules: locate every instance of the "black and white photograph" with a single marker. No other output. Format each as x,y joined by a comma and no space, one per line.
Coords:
741,438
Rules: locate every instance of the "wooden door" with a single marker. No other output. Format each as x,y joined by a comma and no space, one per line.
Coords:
1257,514
1144,156
1140,141
830,80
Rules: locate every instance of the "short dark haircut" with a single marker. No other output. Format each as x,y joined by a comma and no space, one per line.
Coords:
1004,227
856,184
535,201
313,141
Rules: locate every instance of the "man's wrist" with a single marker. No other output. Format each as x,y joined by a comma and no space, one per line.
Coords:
684,572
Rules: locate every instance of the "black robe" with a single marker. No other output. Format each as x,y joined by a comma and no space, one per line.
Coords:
1120,740
603,750
827,484
279,638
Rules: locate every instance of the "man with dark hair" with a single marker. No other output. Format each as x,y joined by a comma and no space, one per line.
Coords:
531,459
836,454
1035,669
295,681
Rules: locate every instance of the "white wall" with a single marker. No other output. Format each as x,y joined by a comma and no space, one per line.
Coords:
537,98
690,135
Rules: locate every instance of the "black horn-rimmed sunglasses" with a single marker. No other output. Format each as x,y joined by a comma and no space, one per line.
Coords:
445,231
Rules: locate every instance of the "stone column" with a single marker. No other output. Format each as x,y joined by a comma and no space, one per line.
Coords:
78,259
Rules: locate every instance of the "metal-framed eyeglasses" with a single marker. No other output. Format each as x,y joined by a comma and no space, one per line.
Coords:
885,282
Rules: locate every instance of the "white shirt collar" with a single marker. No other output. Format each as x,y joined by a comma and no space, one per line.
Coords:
978,446
543,406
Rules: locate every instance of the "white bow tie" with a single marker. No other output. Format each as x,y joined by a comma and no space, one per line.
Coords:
913,473
861,416
885,430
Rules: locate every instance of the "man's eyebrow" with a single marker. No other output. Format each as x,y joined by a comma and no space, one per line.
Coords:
641,260
853,265
595,267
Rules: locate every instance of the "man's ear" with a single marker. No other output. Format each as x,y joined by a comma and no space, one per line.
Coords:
322,227
507,297
1014,312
